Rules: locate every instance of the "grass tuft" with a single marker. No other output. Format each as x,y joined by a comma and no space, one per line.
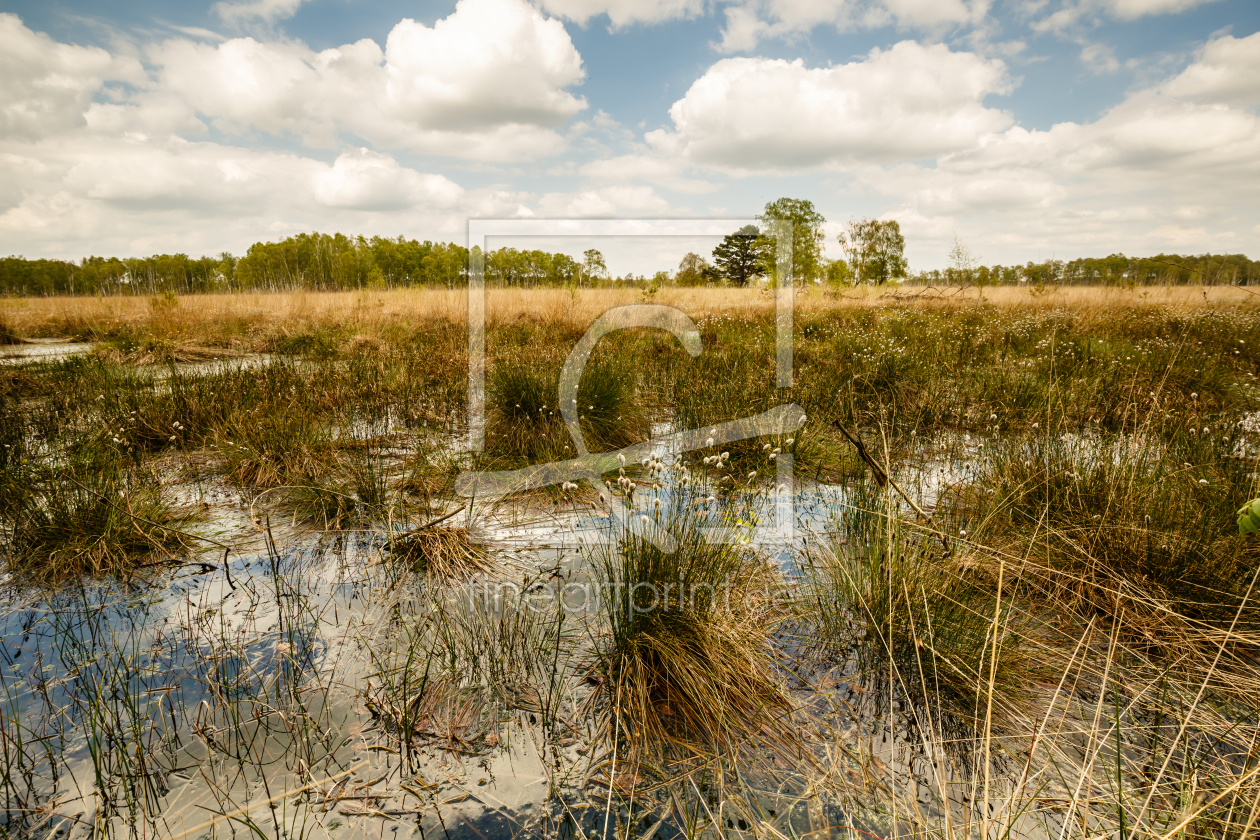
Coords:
101,524
687,663
7,335
443,553
525,422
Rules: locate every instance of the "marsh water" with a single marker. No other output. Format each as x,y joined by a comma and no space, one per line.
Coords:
233,692
238,692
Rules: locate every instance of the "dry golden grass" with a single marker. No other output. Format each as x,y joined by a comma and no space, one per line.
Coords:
446,553
369,312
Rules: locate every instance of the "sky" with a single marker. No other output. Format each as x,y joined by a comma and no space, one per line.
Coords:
1025,130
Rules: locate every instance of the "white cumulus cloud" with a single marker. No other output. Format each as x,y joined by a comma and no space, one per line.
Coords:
48,85
1184,150
604,202
664,172
87,165
1227,71
367,180
488,82
910,101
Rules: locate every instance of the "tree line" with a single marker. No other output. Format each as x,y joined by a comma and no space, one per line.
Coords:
874,253
1113,270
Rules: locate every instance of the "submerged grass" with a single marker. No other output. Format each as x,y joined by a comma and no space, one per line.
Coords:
451,663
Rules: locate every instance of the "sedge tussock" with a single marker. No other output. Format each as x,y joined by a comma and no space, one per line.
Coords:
62,527
687,667
441,552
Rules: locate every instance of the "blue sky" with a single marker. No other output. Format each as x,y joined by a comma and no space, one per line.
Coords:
1029,130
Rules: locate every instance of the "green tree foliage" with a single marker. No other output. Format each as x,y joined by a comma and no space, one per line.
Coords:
807,236
876,250
526,269
98,275
330,262
836,273
593,266
326,262
694,270
740,257
1116,270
